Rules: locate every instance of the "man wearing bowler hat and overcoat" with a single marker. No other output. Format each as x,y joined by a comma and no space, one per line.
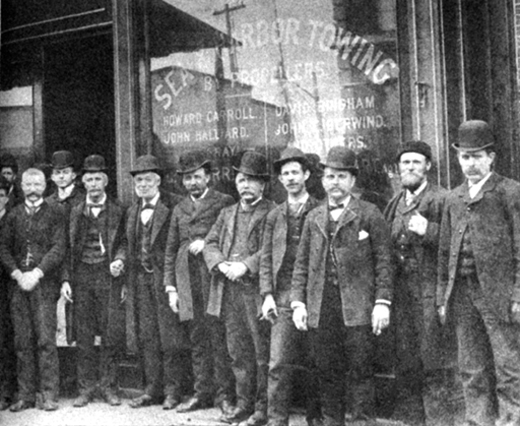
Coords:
479,279
67,192
149,317
342,288
232,254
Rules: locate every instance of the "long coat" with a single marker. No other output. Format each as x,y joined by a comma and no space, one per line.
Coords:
275,244
361,246
416,276
160,224
493,218
114,243
219,243
190,222
76,196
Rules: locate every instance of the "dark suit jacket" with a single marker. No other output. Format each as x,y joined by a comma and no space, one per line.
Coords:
275,244
77,196
219,243
190,222
493,217
160,224
361,246
47,238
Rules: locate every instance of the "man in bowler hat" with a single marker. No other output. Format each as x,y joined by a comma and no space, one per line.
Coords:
423,354
149,317
67,192
232,254
95,260
187,280
32,247
289,351
342,288
479,279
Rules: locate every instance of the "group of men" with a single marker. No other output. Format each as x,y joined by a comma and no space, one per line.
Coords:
263,294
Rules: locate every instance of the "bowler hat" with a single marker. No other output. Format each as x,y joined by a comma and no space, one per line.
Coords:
146,163
8,160
474,135
94,163
193,160
62,160
290,154
253,164
419,147
341,158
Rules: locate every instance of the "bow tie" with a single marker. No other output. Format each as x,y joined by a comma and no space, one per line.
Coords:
148,206
339,206
95,205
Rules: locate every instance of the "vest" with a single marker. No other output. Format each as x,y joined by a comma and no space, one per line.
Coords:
331,271
144,237
239,250
294,230
466,267
94,247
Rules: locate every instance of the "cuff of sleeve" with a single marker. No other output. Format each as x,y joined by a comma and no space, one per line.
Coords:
39,272
170,289
16,273
383,302
296,305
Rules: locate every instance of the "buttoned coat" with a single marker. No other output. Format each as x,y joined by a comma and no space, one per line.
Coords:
417,276
218,245
190,221
275,244
361,247
114,243
159,235
493,219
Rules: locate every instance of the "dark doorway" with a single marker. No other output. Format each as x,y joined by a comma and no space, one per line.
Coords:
78,100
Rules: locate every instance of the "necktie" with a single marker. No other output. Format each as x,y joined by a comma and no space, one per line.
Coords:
146,213
31,209
94,209
339,206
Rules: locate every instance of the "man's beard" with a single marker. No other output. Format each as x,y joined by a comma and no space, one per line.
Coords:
411,181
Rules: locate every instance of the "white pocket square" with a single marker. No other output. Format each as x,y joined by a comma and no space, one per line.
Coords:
362,235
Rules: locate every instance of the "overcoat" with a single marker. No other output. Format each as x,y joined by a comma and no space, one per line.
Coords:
275,244
493,218
190,221
416,276
159,235
361,247
219,243
76,196
114,243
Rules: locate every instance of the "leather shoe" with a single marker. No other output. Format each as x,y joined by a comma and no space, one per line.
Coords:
81,401
170,402
21,405
237,414
258,418
141,401
226,407
112,398
195,403
49,405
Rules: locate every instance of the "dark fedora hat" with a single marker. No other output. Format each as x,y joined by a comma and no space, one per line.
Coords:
341,158
94,163
193,160
474,135
253,164
419,147
62,160
291,154
146,163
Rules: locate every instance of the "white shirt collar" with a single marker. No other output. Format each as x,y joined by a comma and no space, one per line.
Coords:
415,193
153,201
36,204
101,201
336,213
247,207
201,197
303,199
474,188
64,193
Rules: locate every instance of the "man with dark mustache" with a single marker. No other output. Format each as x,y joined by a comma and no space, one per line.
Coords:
422,355
232,254
479,279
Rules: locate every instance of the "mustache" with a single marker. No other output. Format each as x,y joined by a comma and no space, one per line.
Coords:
29,194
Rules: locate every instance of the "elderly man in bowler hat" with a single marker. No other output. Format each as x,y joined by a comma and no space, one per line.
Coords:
342,288
32,248
232,253
423,355
479,279
289,350
187,280
149,316
90,281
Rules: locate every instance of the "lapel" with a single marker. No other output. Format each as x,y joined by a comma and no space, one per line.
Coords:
75,217
160,216
131,227
113,218
202,206
348,215
322,219
259,213
488,186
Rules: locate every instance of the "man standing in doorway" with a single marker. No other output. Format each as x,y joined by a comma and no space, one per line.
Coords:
342,288
187,281
479,279
67,192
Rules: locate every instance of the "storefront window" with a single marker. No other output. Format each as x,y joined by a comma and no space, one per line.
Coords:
305,73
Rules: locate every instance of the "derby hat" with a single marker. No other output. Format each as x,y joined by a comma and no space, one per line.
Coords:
253,164
341,158
193,160
419,147
146,163
474,135
94,163
62,160
291,154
